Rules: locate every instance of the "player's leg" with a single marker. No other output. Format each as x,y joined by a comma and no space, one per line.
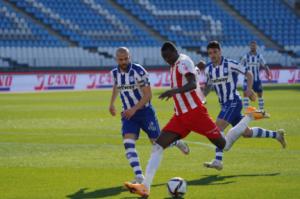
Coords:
163,141
261,102
246,100
167,137
217,162
257,132
130,131
257,87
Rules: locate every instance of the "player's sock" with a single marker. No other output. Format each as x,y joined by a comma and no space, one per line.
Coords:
153,164
263,133
261,103
219,152
133,158
235,132
246,102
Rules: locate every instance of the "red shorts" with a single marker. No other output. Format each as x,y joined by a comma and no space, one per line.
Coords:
196,120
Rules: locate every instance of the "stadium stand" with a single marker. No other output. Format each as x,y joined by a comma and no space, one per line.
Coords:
88,22
15,30
190,23
278,21
96,27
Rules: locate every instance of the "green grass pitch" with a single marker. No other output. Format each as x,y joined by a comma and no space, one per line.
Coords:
66,145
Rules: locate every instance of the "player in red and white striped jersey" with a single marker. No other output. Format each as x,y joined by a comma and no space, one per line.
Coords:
190,115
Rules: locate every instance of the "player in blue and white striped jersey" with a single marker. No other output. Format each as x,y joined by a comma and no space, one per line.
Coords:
254,61
132,82
222,75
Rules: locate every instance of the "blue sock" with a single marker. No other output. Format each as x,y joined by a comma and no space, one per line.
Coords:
219,154
263,133
132,157
261,103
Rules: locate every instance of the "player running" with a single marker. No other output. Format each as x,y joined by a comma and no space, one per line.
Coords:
131,81
222,74
190,115
253,61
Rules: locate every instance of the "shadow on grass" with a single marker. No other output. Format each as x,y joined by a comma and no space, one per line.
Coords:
221,180
206,180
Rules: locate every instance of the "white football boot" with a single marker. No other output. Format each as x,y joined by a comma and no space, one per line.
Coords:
215,164
183,147
281,137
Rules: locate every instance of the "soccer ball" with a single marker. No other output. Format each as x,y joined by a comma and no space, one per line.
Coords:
176,187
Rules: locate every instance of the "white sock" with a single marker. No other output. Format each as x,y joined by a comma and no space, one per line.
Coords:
153,165
246,102
263,133
261,103
235,132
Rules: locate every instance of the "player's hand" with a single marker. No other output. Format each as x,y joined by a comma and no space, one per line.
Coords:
112,110
269,76
166,95
129,113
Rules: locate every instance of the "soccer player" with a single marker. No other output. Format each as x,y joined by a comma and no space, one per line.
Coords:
201,79
222,74
253,61
190,115
131,81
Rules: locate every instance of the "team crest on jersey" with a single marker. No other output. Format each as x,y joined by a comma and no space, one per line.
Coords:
152,126
225,70
131,79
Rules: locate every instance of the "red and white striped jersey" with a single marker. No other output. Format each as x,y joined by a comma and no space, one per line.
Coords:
190,100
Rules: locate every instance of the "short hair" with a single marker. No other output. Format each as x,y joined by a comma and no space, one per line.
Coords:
168,46
253,42
122,50
213,44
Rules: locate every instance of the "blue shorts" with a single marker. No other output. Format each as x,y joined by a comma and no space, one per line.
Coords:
257,86
144,119
231,111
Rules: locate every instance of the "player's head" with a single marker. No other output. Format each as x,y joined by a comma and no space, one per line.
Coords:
201,65
169,52
253,46
214,51
123,57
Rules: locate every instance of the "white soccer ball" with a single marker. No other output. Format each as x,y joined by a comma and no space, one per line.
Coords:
176,187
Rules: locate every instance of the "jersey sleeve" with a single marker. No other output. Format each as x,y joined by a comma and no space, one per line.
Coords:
114,76
243,61
237,67
186,66
142,76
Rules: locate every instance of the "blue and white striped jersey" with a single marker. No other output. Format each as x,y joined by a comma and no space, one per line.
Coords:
253,62
129,84
224,78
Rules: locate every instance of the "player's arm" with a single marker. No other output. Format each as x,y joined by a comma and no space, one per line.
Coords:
144,84
268,71
208,87
113,98
147,95
265,67
190,85
238,68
